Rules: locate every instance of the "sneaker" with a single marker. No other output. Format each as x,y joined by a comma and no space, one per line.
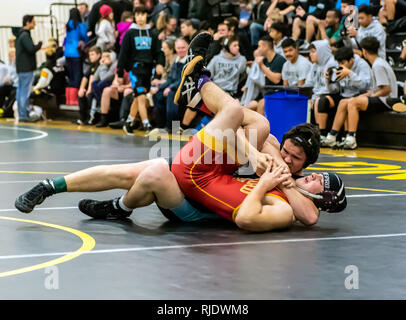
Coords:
147,129
305,46
322,139
117,124
350,143
108,210
329,141
128,129
340,144
27,201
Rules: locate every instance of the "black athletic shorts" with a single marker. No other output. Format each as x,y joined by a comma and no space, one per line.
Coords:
376,105
140,77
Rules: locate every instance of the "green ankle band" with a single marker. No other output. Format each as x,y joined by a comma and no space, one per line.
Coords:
60,185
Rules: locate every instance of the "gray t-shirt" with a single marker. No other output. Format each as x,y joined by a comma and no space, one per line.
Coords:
297,71
383,75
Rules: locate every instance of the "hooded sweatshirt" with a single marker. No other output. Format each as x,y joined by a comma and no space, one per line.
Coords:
376,30
105,72
139,45
226,70
316,75
359,79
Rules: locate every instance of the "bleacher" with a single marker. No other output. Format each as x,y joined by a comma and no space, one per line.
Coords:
388,129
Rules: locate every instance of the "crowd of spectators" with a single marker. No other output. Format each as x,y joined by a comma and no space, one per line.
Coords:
121,61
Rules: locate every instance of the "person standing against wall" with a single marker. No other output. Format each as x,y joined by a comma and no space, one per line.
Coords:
26,63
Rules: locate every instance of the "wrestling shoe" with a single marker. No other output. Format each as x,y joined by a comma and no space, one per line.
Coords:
187,94
108,210
199,46
350,143
27,201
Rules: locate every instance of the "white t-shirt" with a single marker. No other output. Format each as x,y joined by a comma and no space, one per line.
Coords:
297,71
383,75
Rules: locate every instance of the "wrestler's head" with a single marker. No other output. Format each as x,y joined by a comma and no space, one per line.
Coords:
300,147
325,189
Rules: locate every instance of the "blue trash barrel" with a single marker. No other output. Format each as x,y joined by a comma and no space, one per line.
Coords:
285,110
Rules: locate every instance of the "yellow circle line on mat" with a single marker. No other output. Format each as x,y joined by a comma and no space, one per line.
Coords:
88,244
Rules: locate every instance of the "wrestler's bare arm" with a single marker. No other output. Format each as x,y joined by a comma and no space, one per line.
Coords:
304,209
258,212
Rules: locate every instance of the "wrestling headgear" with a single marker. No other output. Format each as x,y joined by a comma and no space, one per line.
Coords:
308,137
332,198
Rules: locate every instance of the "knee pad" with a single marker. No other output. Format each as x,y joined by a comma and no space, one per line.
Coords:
324,105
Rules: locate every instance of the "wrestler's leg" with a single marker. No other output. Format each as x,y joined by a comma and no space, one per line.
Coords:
106,177
155,183
93,179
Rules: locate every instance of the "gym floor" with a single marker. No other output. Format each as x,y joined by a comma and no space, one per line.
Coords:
56,252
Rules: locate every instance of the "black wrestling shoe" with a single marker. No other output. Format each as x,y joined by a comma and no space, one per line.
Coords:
199,46
108,210
27,201
187,94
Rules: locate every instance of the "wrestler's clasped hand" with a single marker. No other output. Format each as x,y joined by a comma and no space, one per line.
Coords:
260,162
273,176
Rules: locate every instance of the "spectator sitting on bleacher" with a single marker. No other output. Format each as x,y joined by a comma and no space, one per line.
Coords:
353,77
271,65
278,32
368,27
75,33
322,59
8,88
139,53
105,29
245,13
258,17
167,27
85,91
189,29
118,6
165,7
392,10
383,86
243,38
223,32
278,12
296,68
330,28
104,75
127,20
114,92
308,17
227,67
160,88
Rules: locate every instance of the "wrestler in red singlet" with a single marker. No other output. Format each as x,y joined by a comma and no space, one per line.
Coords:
204,173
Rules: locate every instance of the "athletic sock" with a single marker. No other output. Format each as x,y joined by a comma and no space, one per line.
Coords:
59,185
351,133
333,132
145,123
202,80
120,204
323,132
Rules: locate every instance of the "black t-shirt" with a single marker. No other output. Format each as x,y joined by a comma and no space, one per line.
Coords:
92,69
276,66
